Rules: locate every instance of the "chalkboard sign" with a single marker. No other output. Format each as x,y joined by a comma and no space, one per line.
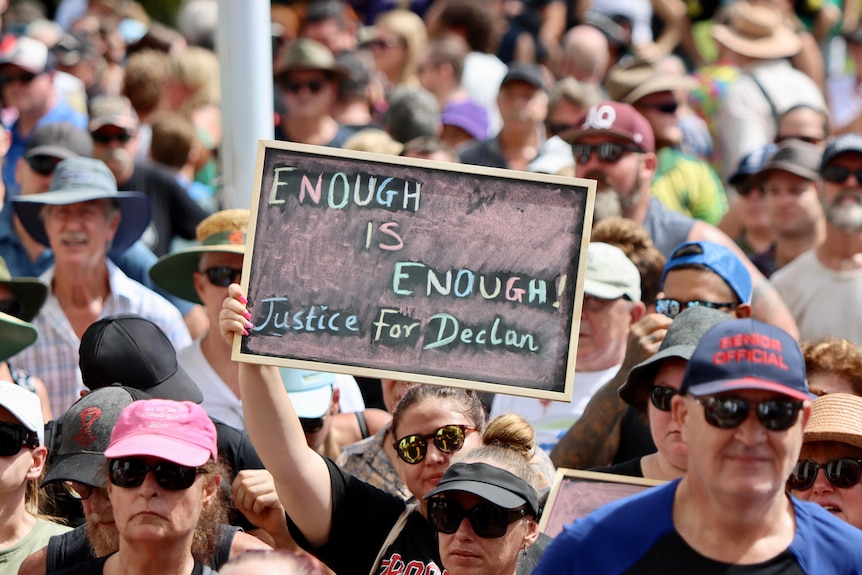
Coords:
426,271
576,494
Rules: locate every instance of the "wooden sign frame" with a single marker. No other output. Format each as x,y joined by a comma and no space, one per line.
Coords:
415,270
577,493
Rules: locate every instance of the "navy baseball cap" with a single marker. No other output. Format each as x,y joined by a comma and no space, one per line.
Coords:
746,354
719,259
752,162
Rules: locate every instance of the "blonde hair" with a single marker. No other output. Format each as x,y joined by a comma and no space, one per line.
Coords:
509,443
373,140
410,28
197,68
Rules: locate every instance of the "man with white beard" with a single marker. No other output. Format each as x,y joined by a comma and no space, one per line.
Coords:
614,144
823,286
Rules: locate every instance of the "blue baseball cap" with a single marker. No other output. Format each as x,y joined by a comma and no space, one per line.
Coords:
720,259
309,391
746,354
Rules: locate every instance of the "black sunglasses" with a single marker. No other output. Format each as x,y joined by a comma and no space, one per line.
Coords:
839,174
25,78
746,186
809,139
554,128
11,307
663,107
43,164
223,276
448,439
78,490
107,138
314,86
489,521
661,396
842,473
131,472
672,308
607,152
311,425
14,436
727,412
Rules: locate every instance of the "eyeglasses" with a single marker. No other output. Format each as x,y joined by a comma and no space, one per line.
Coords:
14,436
43,164
746,186
842,473
78,490
672,308
839,174
489,521
607,152
107,138
727,412
663,107
223,276
312,425
25,78
313,86
661,396
131,472
448,439
593,303
11,307
388,42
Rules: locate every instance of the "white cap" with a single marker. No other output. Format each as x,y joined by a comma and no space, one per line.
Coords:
25,406
310,392
611,274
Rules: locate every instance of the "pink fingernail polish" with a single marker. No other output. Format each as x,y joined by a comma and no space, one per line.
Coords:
248,325
245,332
246,314
243,299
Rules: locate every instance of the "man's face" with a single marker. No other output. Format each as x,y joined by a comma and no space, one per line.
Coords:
604,332
843,502
660,110
747,462
563,115
690,284
308,94
522,104
79,233
25,91
842,200
620,183
329,33
34,174
803,124
792,203
116,146
101,529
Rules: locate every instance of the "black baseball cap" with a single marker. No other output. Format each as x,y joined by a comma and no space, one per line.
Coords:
493,484
524,72
134,352
59,140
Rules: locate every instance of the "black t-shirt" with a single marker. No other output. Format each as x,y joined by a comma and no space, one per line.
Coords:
235,450
631,468
687,561
96,567
174,212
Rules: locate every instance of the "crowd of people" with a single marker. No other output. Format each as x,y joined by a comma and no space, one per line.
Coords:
719,339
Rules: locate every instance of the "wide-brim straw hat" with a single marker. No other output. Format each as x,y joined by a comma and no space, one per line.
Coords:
308,54
631,80
835,417
223,232
17,336
30,293
757,31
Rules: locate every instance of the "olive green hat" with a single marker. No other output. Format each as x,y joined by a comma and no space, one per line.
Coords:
30,293
223,232
17,335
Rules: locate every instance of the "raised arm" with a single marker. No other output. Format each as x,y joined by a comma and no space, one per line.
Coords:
300,474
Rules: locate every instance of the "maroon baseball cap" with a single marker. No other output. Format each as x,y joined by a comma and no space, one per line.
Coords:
613,119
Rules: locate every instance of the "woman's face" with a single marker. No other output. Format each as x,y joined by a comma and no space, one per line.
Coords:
151,513
844,503
425,418
465,552
665,431
390,53
16,470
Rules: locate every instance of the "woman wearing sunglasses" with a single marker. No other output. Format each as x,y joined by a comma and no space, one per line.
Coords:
830,463
163,484
350,525
492,488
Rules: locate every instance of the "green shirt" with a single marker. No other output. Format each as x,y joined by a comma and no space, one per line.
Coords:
688,185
